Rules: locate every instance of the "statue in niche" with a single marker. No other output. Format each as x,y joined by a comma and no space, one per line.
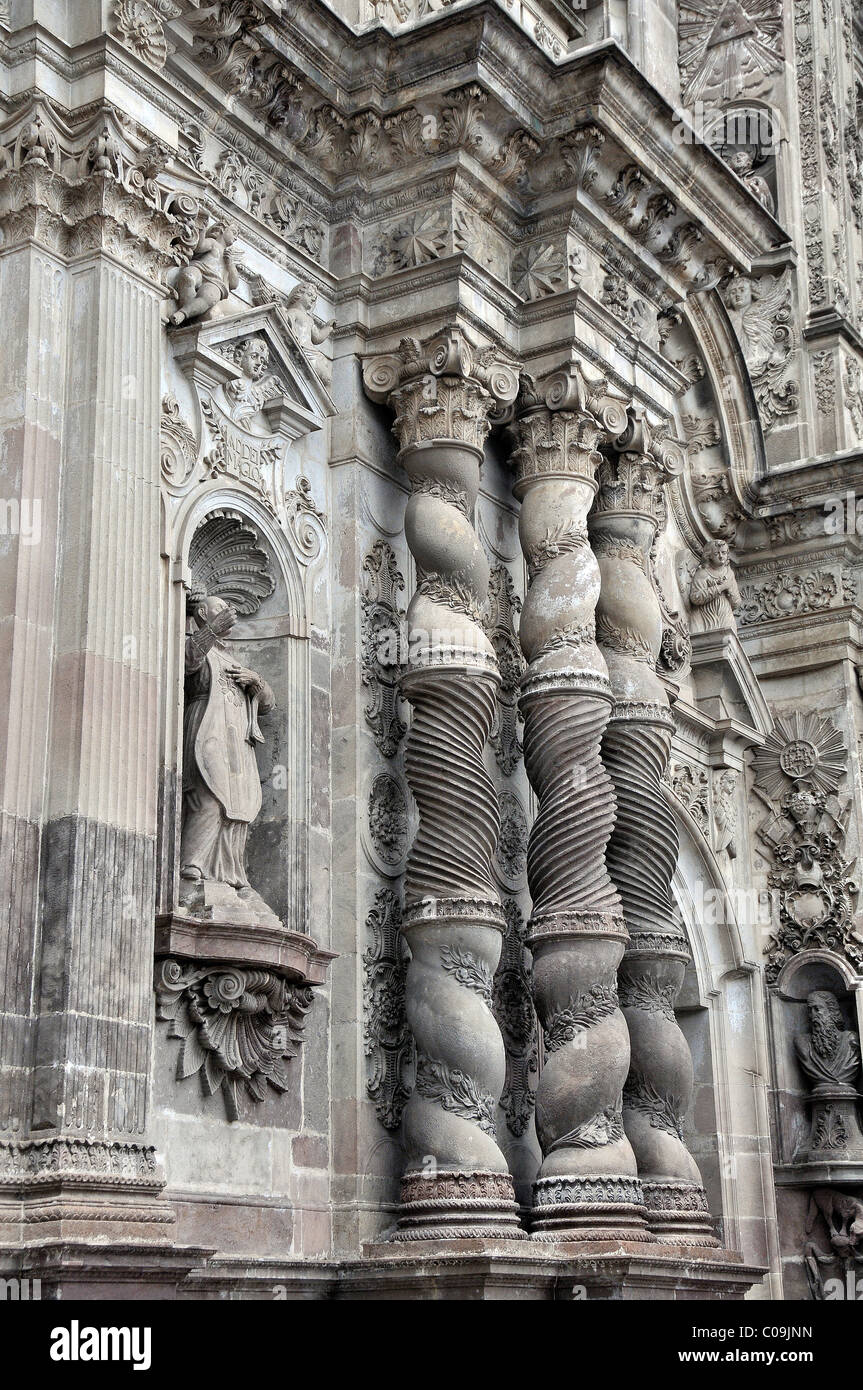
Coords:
209,277
742,161
223,698
306,330
257,385
713,593
829,1053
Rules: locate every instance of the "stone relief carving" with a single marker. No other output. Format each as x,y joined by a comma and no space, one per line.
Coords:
727,48
221,782
712,590
388,820
499,623
178,444
829,1056
382,635
539,269
256,385
514,1011
784,595
511,850
799,769
690,785
304,521
387,1040
842,1215
208,278
725,811
139,25
239,1027
852,381
760,311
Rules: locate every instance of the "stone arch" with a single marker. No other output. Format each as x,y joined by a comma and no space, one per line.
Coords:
721,1012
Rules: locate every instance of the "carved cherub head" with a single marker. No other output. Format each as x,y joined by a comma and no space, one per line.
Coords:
737,292
254,358
742,161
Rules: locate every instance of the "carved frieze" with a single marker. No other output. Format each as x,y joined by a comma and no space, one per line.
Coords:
499,622
514,1011
786,595
799,769
387,1040
382,638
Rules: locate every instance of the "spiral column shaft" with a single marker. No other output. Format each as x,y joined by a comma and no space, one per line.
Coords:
457,1183
643,849
587,1187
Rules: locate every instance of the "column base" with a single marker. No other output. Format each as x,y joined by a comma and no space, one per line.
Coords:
70,1189
678,1214
458,1206
579,1271
589,1208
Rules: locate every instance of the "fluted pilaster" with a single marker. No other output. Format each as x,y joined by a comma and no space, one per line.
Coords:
643,849
587,1187
457,1183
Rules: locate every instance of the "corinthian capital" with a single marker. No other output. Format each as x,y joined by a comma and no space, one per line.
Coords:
73,193
636,468
445,387
562,419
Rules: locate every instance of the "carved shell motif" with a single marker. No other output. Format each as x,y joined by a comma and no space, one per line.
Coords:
227,562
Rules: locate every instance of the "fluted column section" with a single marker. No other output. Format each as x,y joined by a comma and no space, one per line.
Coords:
643,850
587,1187
456,1183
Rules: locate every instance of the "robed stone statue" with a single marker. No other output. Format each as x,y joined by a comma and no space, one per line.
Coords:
221,783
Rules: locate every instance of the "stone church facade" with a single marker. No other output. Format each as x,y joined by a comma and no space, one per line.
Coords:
432,801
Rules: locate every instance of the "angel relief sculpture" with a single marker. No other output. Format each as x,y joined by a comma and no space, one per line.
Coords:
306,330
223,700
760,312
208,278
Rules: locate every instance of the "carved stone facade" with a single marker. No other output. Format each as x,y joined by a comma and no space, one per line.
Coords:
432,720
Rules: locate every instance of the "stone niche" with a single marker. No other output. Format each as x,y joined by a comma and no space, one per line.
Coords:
815,1021
236,966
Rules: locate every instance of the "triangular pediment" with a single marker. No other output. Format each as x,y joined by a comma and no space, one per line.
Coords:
256,361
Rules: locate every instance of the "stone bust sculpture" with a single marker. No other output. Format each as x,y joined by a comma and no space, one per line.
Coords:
257,384
221,784
301,321
829,1053
713,594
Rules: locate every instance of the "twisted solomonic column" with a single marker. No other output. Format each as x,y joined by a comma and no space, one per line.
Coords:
457,1183
588,1186
642,851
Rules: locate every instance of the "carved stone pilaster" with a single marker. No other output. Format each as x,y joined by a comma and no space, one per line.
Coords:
587,1187
643,849
457,1184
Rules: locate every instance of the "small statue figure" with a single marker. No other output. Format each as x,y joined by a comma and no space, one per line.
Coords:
742,161
829,1053
257,384
306,330
725,812
209,277
221,783
713,594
